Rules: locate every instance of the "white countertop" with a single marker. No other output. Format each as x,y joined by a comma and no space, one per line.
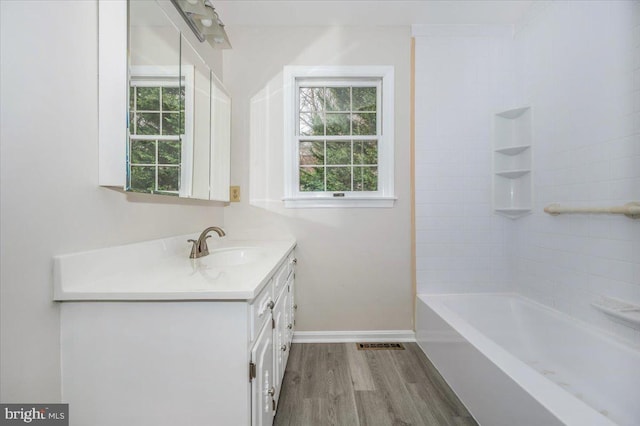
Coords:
162,270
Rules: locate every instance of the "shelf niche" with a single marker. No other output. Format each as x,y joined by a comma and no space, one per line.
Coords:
512,162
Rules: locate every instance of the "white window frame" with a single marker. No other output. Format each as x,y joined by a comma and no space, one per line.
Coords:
384,196
160,76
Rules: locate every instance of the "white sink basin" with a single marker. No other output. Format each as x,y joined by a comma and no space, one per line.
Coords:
232,256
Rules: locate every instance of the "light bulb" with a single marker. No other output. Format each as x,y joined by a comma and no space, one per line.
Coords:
207,22
192,1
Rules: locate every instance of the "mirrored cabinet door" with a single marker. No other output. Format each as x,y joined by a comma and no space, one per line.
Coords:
178,113
221,137
199,121
157,103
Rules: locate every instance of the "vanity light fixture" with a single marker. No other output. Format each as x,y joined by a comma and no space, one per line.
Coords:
204,21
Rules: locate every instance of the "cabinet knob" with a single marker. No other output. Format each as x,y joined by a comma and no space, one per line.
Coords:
290,326
294,261
271,304
295,306
271,391
283,348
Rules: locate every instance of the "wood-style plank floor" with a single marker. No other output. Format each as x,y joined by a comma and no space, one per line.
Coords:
336,384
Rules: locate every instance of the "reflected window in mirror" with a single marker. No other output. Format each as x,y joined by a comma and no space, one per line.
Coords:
159,131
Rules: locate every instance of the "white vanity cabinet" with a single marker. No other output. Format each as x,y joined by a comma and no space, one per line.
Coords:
180,361
267,369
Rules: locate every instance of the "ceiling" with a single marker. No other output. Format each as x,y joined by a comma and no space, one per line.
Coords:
369,12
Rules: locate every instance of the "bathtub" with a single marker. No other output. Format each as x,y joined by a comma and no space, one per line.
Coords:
515,362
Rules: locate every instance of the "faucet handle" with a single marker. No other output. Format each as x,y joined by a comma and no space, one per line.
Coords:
194,249
203,249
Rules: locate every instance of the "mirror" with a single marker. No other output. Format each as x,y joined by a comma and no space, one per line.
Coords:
178,137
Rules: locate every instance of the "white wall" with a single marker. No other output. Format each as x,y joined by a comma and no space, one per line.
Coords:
463,73
579,69
50,202
354,264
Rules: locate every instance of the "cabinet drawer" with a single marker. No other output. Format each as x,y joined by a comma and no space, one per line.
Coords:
260,309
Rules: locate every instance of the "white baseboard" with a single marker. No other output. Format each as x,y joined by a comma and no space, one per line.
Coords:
354,336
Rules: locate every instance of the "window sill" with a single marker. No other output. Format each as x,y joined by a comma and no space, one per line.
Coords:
330,202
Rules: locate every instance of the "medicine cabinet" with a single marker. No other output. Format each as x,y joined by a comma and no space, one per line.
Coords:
512,162
164,116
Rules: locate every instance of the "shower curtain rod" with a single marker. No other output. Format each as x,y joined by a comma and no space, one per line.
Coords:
631,209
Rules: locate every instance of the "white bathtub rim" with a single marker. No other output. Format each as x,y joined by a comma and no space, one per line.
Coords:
562,404
602,333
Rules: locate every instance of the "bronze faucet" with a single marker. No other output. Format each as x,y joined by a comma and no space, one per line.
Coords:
200,248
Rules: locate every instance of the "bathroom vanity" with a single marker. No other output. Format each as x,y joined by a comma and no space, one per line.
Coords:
151,337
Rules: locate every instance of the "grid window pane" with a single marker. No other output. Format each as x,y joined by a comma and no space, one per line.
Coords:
364,123
143,152
339,152
168,178
338,124
169,152
311,124
172,98
143,179
132,122
311,153
311,179
338,178
369,178
365,178
147,123
338,99
365,152
171,123
148,98
311,99
364,99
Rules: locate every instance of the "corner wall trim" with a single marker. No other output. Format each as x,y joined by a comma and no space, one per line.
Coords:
354,336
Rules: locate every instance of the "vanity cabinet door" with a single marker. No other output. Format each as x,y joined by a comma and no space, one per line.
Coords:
290,309
281,346
291,299
283,332
263,385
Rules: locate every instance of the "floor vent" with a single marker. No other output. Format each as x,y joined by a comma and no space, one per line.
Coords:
380,346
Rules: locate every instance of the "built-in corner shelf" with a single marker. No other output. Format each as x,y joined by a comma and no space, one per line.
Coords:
513,150
512,114
513,213
513,174
512,162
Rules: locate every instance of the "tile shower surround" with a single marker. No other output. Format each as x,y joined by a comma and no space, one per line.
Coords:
583,83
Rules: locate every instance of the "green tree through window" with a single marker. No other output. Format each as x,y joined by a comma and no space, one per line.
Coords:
338,138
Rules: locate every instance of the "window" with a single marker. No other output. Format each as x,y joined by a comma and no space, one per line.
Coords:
158,135
339,145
